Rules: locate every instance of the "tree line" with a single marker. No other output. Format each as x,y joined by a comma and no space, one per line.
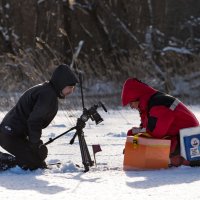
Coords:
150,39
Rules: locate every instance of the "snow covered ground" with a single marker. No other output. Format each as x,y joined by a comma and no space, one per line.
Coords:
105,181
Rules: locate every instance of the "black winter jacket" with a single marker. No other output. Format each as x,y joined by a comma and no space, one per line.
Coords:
34,111
37,107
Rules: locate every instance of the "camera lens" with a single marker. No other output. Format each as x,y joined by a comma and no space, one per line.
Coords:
84,117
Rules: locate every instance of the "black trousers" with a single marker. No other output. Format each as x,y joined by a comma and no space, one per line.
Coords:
25,157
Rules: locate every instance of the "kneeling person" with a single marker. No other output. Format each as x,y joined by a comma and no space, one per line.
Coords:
162,116
21,128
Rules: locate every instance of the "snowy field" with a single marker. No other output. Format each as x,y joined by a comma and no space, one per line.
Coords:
107,180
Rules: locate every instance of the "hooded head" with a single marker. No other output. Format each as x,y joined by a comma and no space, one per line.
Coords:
62,77
135,90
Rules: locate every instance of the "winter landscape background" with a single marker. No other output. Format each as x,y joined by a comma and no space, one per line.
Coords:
107,180
153,40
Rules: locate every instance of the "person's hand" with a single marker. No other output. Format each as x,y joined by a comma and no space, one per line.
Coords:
35,145
40,149
129,132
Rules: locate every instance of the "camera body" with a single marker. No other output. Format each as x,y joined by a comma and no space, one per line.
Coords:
92,113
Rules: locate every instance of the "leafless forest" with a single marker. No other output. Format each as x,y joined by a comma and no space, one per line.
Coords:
157,41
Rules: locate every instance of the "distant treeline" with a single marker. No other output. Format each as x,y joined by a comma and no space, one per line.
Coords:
150,39
102,24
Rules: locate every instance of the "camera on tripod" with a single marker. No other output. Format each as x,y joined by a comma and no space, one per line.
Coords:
92,113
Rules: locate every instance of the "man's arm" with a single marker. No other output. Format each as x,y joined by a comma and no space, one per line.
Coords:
43,106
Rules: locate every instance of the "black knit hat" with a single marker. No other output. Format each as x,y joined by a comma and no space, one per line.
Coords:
62,77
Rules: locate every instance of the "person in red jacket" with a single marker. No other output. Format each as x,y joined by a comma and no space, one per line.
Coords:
162,115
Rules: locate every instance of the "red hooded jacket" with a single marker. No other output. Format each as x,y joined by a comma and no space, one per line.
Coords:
160,121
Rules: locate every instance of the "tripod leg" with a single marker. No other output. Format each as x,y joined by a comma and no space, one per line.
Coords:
86,159
91,163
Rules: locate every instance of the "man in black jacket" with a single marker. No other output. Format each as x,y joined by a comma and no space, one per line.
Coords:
21,128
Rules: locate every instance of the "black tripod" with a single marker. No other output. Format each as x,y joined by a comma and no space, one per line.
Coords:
86,158
87,114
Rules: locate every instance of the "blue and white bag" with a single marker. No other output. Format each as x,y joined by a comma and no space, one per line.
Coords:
190,143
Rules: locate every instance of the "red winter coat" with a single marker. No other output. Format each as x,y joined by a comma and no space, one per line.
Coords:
160,121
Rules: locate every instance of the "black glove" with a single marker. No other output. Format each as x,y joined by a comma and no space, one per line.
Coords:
35,146
80,124
39,149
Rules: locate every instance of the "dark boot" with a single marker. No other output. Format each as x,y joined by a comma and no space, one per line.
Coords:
32,167
195,163
7,161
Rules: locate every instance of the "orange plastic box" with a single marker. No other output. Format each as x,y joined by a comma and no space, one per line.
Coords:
146,153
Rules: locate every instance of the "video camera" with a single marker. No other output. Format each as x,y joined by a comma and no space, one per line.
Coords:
93,114
87,114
